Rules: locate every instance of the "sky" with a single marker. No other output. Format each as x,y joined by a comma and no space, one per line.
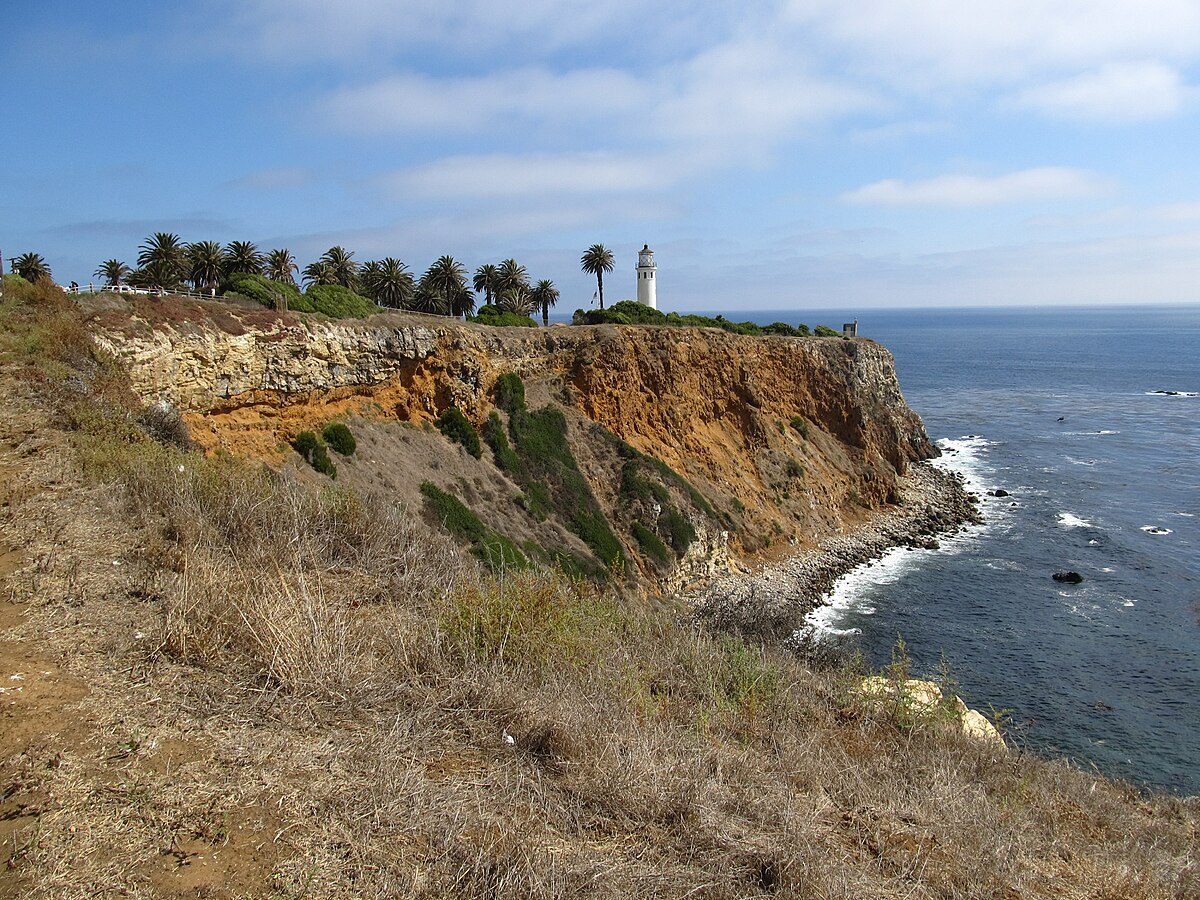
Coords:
790,154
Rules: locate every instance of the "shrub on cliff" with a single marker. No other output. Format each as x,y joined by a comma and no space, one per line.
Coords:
454,425
497,439
510,392
493,549
826,331
650,543
492,315
309,446
338,302
340,438
272,294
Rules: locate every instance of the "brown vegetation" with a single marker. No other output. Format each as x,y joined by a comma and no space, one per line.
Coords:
265,689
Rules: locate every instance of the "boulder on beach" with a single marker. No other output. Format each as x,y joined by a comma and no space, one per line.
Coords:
1067,577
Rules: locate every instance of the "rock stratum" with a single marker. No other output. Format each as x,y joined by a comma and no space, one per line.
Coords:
789,442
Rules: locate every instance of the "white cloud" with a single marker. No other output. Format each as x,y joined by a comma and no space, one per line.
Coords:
1046,183
751,89
533,175
507,101
929,42
1119,92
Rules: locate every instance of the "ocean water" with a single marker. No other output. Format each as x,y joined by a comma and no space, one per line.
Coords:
1090,419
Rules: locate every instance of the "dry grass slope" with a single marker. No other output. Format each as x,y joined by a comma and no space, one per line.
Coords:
305,693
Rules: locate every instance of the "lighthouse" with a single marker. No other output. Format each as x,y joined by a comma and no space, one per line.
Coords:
645,277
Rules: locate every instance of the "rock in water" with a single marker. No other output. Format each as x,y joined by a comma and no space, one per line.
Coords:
1068,577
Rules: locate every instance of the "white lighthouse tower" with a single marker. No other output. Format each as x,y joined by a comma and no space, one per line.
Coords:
646,270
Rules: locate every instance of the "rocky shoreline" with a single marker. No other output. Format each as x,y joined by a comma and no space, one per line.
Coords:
771,604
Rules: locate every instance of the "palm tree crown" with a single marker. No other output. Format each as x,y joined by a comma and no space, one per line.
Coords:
32,267
206,264
511,274
113,271
388,282
279,266
597,260
545,295
161,261
518,300
487,279
342,264
443,289
243,256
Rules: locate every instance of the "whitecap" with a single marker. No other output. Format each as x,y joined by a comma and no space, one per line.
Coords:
1155,529
1172,394
1070,520
1081,462
1125,601
1108,569
1186,515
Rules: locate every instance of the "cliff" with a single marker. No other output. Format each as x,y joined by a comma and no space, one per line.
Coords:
788,440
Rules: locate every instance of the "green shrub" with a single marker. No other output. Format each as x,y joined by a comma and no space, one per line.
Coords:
339,437
650,543
499,553
453,513
793,468
338,302
497,439
494,316
309,446
454,425
510,392
680,529
800,426
494,549
826,331
272,294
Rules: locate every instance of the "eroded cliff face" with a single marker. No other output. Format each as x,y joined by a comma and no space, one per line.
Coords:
790,439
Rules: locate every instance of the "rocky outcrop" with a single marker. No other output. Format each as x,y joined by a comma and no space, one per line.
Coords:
914,702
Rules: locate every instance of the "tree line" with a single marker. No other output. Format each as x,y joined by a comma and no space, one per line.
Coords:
165,262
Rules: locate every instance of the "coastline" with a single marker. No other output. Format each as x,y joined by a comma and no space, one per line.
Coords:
772,602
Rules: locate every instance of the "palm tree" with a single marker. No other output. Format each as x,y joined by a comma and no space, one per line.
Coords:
319,272
205,264
596,261
161,261
545,295
487,279
113,271
243,256
388,282
511,274
279,266
32,267
345,269
443,289
517,300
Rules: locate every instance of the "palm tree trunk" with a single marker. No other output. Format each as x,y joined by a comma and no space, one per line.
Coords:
600,287
545,315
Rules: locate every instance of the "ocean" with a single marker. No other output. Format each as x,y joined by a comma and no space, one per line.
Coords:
1088,418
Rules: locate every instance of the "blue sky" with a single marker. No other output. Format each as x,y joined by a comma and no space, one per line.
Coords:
805,154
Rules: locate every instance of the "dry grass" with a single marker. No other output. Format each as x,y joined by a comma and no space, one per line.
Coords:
329,701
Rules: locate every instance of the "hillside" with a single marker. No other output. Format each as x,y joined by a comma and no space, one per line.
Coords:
225,678
762,445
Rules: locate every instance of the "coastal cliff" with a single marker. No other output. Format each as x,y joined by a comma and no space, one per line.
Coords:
779,443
